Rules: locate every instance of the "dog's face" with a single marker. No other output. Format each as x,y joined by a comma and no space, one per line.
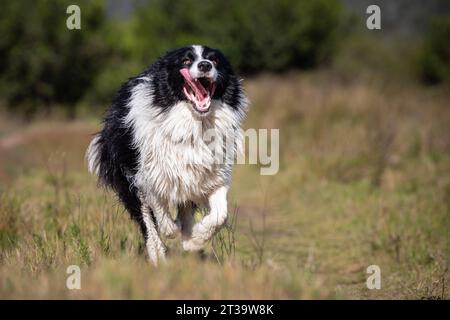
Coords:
198,74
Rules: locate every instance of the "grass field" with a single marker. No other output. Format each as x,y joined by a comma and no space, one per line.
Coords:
364,180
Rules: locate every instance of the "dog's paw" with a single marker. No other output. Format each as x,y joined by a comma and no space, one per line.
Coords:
156,252
170,229
193,244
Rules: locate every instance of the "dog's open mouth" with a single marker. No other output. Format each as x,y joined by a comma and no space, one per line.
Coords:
199,91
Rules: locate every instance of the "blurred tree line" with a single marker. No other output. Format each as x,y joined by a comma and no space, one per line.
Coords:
44,64
434,60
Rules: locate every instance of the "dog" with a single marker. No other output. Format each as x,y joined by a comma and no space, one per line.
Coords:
153,153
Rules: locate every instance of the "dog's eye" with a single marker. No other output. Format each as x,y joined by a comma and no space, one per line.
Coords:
187,61
215,61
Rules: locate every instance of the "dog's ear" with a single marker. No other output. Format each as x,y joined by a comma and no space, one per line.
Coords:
224,64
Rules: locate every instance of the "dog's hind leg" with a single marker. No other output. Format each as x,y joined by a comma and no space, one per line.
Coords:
155,247
203,231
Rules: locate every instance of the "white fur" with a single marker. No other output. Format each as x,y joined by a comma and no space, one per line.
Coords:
155,247
93,156
175,163
198,50
205,229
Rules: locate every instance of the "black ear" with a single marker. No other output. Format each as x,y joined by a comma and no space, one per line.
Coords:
224,63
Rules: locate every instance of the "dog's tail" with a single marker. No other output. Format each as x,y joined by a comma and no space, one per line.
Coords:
115,179
93,155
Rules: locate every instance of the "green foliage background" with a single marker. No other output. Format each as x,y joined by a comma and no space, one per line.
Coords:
434,61
44,64
41,61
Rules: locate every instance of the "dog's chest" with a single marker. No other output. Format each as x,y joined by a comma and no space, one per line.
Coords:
180,157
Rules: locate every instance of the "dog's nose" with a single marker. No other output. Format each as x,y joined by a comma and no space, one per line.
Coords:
204,66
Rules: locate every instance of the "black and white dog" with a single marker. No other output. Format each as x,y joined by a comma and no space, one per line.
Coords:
155,149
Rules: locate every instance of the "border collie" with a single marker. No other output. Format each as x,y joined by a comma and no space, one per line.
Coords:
155,149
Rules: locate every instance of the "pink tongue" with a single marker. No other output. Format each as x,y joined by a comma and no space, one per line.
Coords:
199,90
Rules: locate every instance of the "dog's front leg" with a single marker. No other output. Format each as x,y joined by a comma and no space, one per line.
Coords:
155,247
164,222
205,228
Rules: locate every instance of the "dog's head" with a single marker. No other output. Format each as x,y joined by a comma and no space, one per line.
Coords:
198,74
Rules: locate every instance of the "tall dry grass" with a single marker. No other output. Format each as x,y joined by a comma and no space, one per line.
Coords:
364,179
